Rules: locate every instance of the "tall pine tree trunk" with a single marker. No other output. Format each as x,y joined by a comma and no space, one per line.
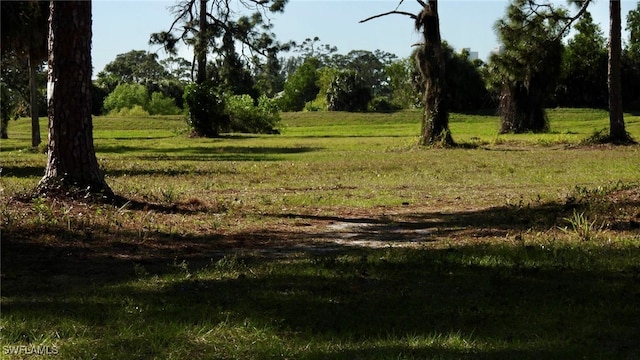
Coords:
430,58
72,168
617,130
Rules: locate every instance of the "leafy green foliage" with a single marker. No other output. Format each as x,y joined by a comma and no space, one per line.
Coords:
633,27
135,66
466,87
301,86
7,110
584,76
403,83
526,71
348,92
161,105
369,66
205,109
248,117
126,96
269,78
631,61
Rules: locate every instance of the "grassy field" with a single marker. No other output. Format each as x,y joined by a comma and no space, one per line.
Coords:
338,239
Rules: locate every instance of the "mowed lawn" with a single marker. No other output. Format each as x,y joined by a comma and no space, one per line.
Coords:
337,239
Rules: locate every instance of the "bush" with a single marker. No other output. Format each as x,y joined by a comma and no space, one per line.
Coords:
161,105
205,109
245,116
135,110
126,96
348,92
383,105
316,105
131,99
301,86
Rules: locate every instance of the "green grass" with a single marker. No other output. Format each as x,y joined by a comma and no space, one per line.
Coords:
338,239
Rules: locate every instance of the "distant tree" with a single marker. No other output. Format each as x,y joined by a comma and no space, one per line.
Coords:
401,76
233,74
584,82
348,92
24,29
467,89
135,66
72,168
269,77
140,67
301,86
631,61
213,27
633,27
369,66
178,68
14,73
309,48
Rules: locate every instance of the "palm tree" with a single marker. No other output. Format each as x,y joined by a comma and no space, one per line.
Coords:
431,60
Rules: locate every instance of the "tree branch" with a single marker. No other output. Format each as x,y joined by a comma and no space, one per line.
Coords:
413,16
580,12
555,15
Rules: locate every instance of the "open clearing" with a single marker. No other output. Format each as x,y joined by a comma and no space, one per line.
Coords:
338,239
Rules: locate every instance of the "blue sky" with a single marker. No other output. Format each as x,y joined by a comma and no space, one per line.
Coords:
121,26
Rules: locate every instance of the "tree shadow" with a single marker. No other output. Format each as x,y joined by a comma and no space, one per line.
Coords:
503,301
22,171
205,153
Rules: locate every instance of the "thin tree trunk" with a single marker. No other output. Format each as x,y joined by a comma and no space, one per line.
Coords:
617,130
33,100
201,45
435,120
72,168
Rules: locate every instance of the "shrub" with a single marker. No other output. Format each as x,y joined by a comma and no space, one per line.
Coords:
383,105
134,111
246,116
316,105
161,105
301,86
126,96
205,109
348,92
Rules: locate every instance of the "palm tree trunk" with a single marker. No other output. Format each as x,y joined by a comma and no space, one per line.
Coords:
435,120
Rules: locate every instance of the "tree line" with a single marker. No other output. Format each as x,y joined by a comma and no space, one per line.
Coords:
316,77
225,89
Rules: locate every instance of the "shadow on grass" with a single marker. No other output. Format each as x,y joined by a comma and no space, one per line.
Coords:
484,301
205,153
23,172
